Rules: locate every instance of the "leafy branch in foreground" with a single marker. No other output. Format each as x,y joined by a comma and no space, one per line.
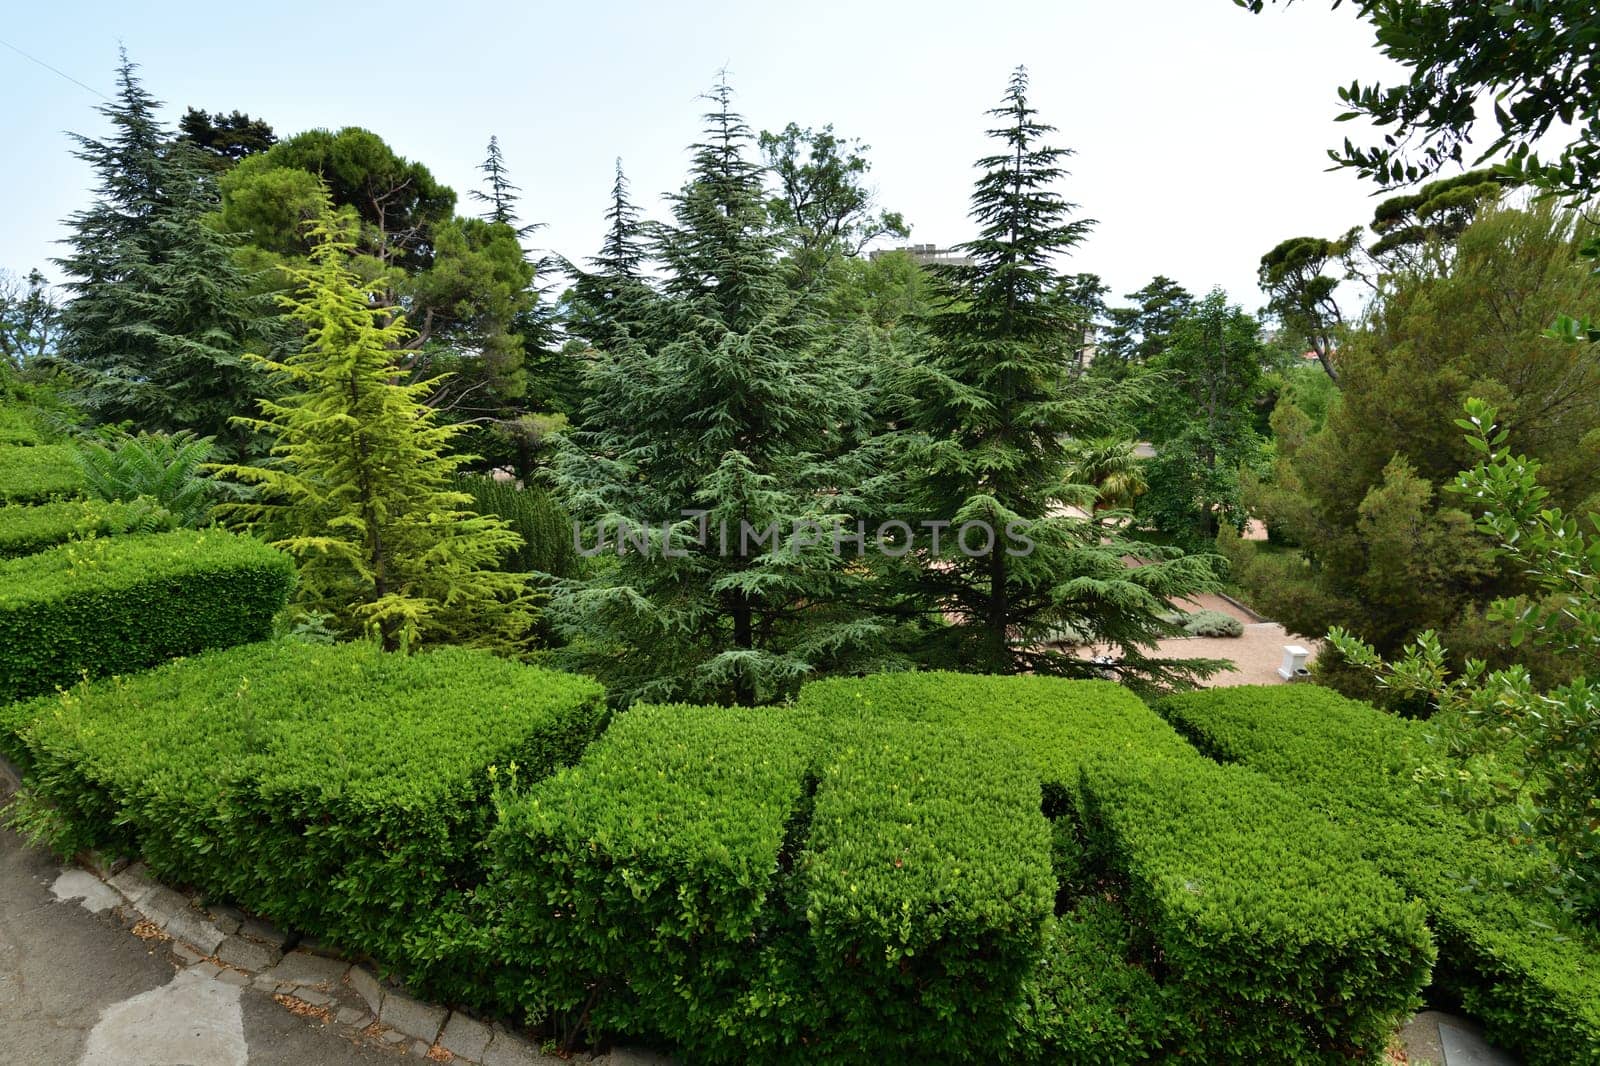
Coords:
1551,782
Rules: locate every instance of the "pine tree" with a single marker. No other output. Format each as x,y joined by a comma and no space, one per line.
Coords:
996,415
622,254
362,490
160,315
502,195
609,304
728,419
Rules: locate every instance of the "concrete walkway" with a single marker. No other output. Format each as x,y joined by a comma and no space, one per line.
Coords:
77,988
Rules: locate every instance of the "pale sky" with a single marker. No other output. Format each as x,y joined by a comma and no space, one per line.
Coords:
1200,129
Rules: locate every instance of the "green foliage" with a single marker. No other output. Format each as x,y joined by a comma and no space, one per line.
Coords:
1201,420
1303,296
342,792
160,315
1140,333
157,467
641,891
992,413
361,490
823,203
1277,937
30,318
1386,553
225,138
18,427
1211,624
927,892
1113,467
1091,1001
1555,733
463,283
1532,59
25,530
35,474
1439,211
532,514
119,604
1505,947
728,412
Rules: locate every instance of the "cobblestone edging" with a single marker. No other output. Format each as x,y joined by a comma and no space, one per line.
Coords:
227,945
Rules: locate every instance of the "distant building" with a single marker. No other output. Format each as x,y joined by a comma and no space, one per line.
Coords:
927,255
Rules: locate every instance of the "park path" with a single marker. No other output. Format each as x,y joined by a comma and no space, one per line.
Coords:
78,988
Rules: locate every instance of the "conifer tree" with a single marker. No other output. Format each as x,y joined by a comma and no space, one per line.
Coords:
362,490
502,195
996,415
726,413
160,315
608,304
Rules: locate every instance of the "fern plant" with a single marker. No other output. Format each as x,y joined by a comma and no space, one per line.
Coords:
159,467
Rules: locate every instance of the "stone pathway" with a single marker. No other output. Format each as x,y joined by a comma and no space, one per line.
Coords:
123,971
1434,1038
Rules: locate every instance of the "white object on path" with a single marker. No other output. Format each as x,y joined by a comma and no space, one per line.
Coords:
1294,662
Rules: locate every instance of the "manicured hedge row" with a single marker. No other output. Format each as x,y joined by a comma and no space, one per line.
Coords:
25,530
928,890
1506,953
18,427
755,885
1279,933
642,885
341,791
1092,1001
38,473
125,603
1231,884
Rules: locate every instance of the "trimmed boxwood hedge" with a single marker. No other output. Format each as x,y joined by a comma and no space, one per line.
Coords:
1508,954
125,603
341,791
38,473
928,891
18,426
25,530
754,884
638,888
1276,936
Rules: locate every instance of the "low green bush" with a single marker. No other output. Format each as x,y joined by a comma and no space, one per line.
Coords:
25,530
1092,1001
1229,883
338,790
928,892
1268,917
18,427
119,604
39,473
1211,624
748,884
640,891
1509,955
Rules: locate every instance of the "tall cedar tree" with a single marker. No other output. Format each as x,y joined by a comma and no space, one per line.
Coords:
728,417
160,315
608,305
362,489
996,413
